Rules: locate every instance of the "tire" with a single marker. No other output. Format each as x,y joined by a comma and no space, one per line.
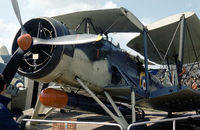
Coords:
140,114
21,122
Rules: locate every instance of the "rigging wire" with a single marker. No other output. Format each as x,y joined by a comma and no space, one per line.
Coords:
111,25
152,42
192,43
190,36
171,42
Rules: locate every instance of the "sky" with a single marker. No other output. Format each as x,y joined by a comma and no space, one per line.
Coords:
147,11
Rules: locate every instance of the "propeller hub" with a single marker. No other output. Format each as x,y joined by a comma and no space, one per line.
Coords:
24,41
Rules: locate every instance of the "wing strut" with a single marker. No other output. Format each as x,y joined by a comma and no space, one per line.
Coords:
133,105
179,63
146,62
87,22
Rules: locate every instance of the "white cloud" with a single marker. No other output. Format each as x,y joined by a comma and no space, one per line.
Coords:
147,20
8,31
55,4
188,4
123,39
37,8
109,4
52,7
73,8
7,27
58,7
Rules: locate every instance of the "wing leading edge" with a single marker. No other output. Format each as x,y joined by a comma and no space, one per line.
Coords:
105,20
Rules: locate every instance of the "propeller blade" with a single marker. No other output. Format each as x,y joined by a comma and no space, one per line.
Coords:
69,39
12,66
18,15
24,42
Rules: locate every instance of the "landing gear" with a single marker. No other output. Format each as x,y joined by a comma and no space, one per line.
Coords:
21,122
62,111
169,114
119,118
197,111
140,114
39,113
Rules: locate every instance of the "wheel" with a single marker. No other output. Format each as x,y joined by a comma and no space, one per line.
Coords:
197,111
140,114
62,111
21,122
170,114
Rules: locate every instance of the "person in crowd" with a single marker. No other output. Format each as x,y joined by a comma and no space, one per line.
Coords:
6,120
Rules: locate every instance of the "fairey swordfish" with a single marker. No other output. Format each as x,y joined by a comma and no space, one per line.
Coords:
74,50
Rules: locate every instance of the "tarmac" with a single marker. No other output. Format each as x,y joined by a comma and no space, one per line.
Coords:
78,115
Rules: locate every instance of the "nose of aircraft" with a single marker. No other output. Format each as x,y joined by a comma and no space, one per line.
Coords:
24,41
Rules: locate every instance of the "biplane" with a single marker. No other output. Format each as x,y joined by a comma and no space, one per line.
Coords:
74,50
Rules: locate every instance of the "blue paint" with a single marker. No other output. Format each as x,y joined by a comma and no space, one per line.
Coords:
146,61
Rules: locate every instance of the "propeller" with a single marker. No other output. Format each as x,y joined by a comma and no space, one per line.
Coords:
24,42
68,39
12,66
18,15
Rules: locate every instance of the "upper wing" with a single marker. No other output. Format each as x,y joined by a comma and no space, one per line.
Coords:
161,33
106,20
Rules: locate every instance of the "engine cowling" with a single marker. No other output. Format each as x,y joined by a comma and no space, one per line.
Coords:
41,60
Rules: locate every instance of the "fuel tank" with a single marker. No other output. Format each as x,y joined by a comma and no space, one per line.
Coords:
50,97
59,99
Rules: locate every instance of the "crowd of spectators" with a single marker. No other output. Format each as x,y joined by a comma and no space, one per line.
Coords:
193,82
190,76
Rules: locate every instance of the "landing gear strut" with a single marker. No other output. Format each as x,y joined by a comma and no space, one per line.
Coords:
119,118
